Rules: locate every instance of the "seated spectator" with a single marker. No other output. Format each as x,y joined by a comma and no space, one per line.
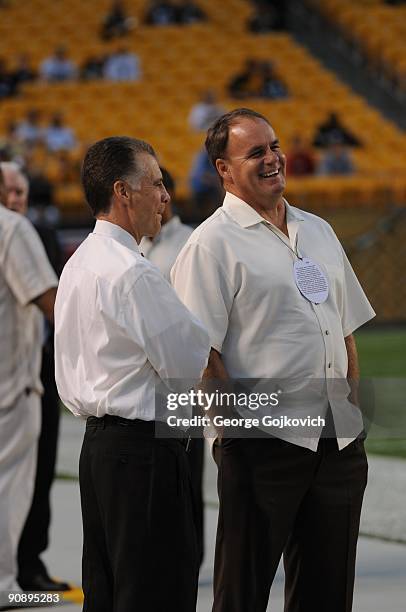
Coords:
272,87
205,112
299,158
58,67
269,15
332,131
122,66
11,147
257,80
160,13
7,87
205,184
336,160
116,23
93,68
58,136
30,131
188,12
23,72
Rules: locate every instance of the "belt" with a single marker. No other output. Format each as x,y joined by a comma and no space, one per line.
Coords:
146,428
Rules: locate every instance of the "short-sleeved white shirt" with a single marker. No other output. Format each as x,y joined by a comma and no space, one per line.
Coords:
165,247
236,274
25,274
120,330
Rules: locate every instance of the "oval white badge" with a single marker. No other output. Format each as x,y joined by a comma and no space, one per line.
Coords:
311,280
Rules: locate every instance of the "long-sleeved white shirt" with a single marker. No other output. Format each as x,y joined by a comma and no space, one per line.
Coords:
120,329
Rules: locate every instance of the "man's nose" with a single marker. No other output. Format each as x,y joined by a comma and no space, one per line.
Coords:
166,198
270,155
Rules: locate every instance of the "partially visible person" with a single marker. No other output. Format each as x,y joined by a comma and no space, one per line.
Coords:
93,67
336,160
160,13
162,252
188,12
32,572
163,249
123,65
27,287
121,331
7,86
332,130
58,136
299,158
204,184
58,67
29,131
258,80
204,112
268,16
23,71
116,23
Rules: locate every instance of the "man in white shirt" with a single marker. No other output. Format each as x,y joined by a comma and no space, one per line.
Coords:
120,331
164,248
300,494
162,252
27,285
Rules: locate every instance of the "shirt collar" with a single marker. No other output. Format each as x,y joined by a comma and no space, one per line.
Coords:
105,228
246,216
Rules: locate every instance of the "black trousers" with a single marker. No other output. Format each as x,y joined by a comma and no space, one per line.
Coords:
196,462
277,498
34,538
139,549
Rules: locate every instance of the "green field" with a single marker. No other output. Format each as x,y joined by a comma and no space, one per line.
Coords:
382,354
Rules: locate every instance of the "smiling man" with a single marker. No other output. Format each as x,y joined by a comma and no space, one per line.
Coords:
120,330
241,272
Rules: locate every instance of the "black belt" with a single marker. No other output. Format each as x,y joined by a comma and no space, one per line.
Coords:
146,428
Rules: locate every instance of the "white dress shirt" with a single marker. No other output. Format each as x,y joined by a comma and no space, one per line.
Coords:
164,248
120,329
25,274
235,274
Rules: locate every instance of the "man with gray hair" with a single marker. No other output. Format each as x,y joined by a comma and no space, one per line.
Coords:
32,572
27,286
120,331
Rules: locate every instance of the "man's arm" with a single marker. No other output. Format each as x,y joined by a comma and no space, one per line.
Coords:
353,368
46,302
353,364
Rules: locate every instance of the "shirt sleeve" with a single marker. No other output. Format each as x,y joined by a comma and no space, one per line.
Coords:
26,268
175,342
355,308
203,286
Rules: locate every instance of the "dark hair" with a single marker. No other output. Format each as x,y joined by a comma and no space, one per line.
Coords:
106,161
2,187
217,135
168,180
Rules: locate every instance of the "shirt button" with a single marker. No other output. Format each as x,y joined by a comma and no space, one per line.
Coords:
327,332
329,365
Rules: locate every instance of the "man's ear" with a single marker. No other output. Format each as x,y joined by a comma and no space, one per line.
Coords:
223,169
120,190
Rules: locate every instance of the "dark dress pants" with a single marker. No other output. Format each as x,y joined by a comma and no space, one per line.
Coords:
276,497
139,550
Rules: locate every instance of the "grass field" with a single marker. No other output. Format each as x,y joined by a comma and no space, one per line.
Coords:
382,354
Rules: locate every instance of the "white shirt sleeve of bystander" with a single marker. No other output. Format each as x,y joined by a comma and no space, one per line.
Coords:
27,269
175,342
203,286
